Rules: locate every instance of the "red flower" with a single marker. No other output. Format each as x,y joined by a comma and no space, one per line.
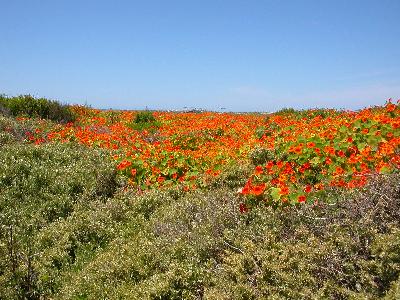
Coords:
269,165
124,164
133,172
298,149
352,159
243,208
310,144
259,170
301,199
246,189
328,160
258,189
340,153
284,190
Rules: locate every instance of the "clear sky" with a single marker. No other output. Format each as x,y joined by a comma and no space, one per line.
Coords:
239,55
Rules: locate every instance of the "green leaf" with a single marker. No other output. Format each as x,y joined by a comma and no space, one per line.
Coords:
173,171
315,161
343,129
372,141
275,193
361,146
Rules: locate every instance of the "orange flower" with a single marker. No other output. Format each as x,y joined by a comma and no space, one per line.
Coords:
123,165
330,150
390,107
353,159
284,190
339,171
258,189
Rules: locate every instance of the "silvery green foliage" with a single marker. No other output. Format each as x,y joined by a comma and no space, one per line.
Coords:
41,186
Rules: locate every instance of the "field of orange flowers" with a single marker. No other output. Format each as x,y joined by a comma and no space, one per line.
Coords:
305,152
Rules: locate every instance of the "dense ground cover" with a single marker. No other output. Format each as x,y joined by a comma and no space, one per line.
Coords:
298,154
167,205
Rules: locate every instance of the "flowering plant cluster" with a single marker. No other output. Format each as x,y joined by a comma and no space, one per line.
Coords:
184,149
308,151
315,151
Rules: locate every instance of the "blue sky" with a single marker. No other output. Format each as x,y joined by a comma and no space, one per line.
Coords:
240,55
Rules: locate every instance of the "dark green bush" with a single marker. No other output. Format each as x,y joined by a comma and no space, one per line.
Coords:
286,110
27,105
3,109
144,117
145,120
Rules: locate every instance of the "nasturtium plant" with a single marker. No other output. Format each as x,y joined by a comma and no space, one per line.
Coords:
297,154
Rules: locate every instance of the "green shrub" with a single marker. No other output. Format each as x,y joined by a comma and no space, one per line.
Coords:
3,109
286,111
41,186
144,117
145,120
232,176
27,105
309,113
260,156
201,246
260,132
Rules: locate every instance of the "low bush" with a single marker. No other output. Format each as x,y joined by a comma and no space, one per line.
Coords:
27,105
144,117
40,186
199,246
12,131
145,120
260,156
